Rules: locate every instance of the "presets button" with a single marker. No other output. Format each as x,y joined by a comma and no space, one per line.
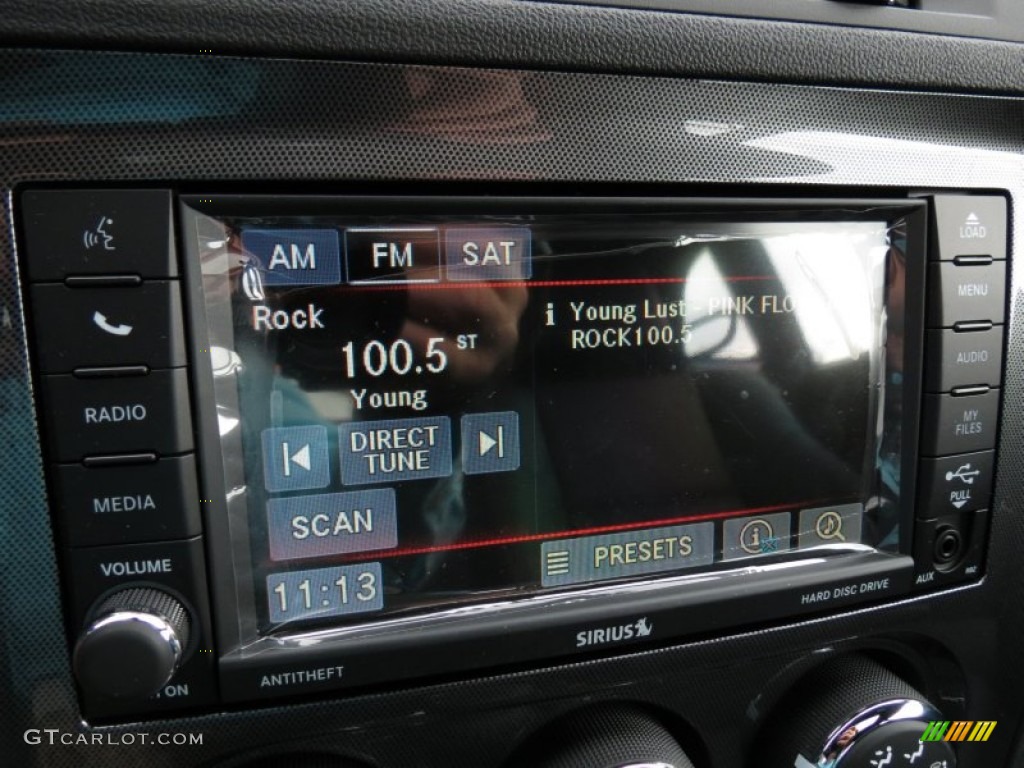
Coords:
630,553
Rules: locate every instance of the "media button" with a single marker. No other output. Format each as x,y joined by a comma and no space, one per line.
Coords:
490,442
126,414
128,503
292,257
954,484
625,554
393,450
332,523
756,535
500,253
840,524
295,458
393,256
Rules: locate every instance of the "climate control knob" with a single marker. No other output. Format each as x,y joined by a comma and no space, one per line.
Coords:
134,643
854,713
604,736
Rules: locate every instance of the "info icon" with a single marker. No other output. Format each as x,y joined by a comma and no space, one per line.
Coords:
295,458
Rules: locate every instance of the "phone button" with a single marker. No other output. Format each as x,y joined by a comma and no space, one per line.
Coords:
126,414
104,327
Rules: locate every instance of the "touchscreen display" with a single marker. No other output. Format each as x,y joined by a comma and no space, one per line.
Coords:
425,411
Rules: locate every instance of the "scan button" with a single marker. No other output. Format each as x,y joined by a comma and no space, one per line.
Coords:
332,523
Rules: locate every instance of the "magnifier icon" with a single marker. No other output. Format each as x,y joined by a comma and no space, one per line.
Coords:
830,525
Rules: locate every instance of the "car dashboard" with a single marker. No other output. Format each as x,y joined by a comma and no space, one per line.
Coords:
504,383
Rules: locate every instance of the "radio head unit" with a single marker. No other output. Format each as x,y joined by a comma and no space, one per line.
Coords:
443,434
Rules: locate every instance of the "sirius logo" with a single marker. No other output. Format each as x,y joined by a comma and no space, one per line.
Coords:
615,634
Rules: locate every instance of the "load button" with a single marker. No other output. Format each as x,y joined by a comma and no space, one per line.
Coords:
130,414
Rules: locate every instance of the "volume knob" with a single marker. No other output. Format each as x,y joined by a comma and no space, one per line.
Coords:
133,645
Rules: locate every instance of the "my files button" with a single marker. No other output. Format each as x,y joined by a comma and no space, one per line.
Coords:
291,257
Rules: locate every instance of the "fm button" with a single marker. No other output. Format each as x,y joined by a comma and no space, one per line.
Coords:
393,256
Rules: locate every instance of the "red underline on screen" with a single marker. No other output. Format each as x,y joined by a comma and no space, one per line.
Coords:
457,286
408,551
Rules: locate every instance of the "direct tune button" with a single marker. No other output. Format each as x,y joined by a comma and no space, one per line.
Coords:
113,504
97,232
95,327
966,292
88,417
133,644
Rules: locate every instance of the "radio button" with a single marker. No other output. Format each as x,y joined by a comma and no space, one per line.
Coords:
98,232
966,292
962,359
129,414
129,503
953,484
96,327
965,225
962,424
